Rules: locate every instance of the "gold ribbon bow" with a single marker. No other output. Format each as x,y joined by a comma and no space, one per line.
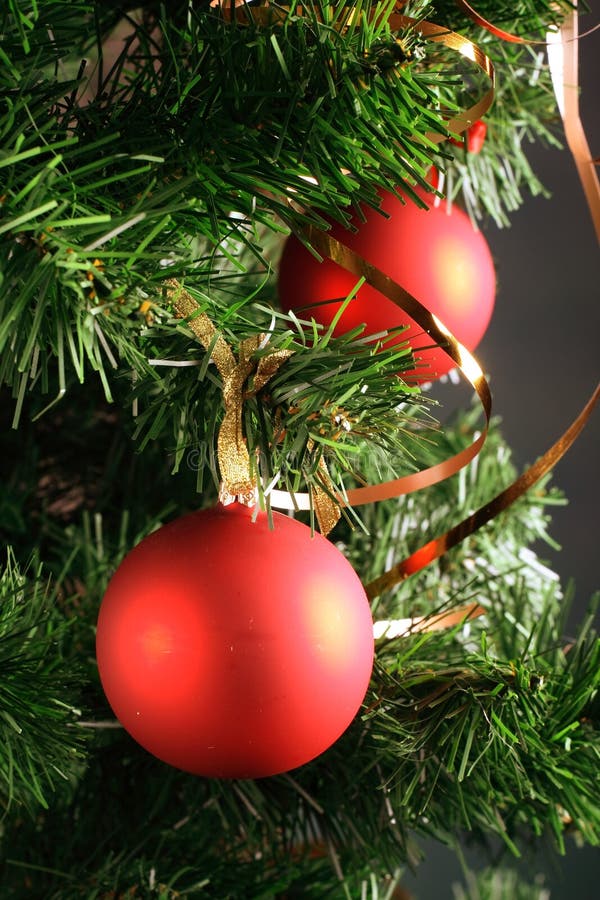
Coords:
232,451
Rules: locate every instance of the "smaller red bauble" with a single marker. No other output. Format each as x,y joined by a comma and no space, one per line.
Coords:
229,649
434,253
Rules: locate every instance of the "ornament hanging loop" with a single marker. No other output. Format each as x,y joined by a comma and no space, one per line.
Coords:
237,480
232,452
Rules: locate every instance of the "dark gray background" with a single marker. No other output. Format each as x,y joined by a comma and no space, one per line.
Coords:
542,355
542,349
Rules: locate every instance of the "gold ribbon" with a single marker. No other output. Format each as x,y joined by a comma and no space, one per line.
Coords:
333,249
338,252
440,545
564,70
468,10
232,451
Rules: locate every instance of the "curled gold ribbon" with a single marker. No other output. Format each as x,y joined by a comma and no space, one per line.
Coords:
564,70
329,247
440,545
232,451
489,26
562,47
563,62
338,252
469,50
514,38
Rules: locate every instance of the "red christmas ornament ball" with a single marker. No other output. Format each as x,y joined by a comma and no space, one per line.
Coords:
229,649
434,253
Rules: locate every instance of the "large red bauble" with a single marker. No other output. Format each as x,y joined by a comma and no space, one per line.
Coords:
436,255
233,650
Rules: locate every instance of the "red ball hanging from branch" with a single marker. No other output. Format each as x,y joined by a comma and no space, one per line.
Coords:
233,650
435,254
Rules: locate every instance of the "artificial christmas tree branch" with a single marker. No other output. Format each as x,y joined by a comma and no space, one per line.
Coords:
177,144
190,196
506,627
38,745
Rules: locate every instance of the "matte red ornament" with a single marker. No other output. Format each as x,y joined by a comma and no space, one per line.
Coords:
435,254
229,649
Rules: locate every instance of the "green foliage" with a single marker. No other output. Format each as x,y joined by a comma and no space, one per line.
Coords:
182,145
499,732
83,175
40,743
499,884
180,142
500,710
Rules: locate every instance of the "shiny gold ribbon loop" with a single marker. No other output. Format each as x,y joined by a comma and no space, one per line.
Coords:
232,451
458,42
327,246
440,545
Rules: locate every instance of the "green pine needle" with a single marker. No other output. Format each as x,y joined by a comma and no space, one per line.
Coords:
40,743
